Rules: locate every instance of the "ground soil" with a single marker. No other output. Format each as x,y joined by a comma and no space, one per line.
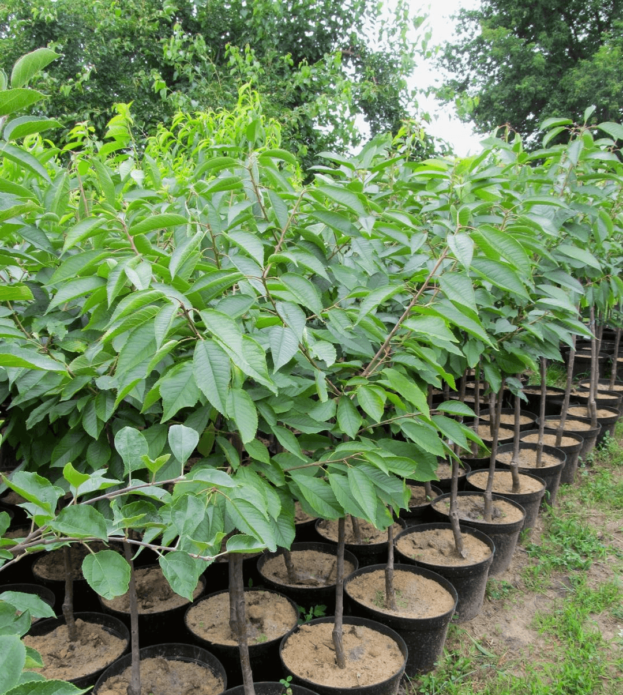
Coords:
444,471
161,676
371,657
268,615
418,496
313,568
95,649
484,432
472,507
503,482
416,596
300,517
509,419
52,565
570,425
369,534
154,594
527,458
549,440
436,546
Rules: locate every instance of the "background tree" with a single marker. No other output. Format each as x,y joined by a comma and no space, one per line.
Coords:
318,64
519,63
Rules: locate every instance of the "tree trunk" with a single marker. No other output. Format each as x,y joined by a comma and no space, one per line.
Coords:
236,596
497,408
476,407
233,614
428,490
356,529
134,688
615,359
516,447
592,406
390,593
68,602
567,398
539,448
340,657
454,514
292,575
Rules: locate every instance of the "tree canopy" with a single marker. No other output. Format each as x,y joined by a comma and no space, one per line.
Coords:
519,63
318,64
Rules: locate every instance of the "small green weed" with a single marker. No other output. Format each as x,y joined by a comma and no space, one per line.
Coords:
287,685
498,589
313,612
261,639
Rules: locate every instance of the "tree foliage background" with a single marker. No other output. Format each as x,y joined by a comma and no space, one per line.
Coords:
318,64
521,62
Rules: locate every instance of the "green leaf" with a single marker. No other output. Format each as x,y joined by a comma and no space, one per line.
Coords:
164,221
304,291
182,572
423,435
80,521
74,289
43,687
28,125
376,297
251,521
183,252
14,356
500,275
582,255
363,491
32,603
293,316
614,130
241,543
36,489
17,99
131,445
33,660
242,410
85,229
319,495
451,429
212,370
456,408
343,197
431,326
15,293
12,661
257,451
107,573
283,345
494,243
459,289
348,417
30,64
408,389
178,390
24,159
324,351
462,248
449,312
372,401
183,441
249,243
288,441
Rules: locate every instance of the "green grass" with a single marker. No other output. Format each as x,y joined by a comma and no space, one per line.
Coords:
577,596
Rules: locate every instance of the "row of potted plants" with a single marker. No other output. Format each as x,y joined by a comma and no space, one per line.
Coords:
196,339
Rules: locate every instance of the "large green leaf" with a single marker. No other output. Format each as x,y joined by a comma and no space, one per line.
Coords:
242,410
212,370
12,660
500,275
13,100
182,572
107,573
163,221
304,291
183,441
30,64
348,417
178,390
80,521
283,345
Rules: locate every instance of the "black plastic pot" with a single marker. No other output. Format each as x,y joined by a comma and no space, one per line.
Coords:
108,622
582,363
156,628
420,514
602,400
553,399
264,656
446,483
387,687
470,581
424,637
307,596
530,501
476,463
19,516
549,474
571,451
85,599
216,575
171,652
603,388
504,536
484,416
42,592
589,436
305,532
366,554
269,688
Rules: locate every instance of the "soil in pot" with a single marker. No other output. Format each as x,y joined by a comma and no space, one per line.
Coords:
94,650
418,496
304,524
471,508
161,676
484,432
369,534
582,411
548,439
268,615
419,511
528,458
153,592
570,425
371,657
301,516
313,569
507,420
416,596
436,547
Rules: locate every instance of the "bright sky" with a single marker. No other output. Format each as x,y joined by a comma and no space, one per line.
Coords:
445,123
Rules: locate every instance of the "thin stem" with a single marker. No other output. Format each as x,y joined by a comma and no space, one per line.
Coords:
615,359
539,449
68,602
516,443
592,406
567,398
134,687
390,593
356,529
493,407
454,512
243,644
476,407
233,614
340,656
428,490
292,575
